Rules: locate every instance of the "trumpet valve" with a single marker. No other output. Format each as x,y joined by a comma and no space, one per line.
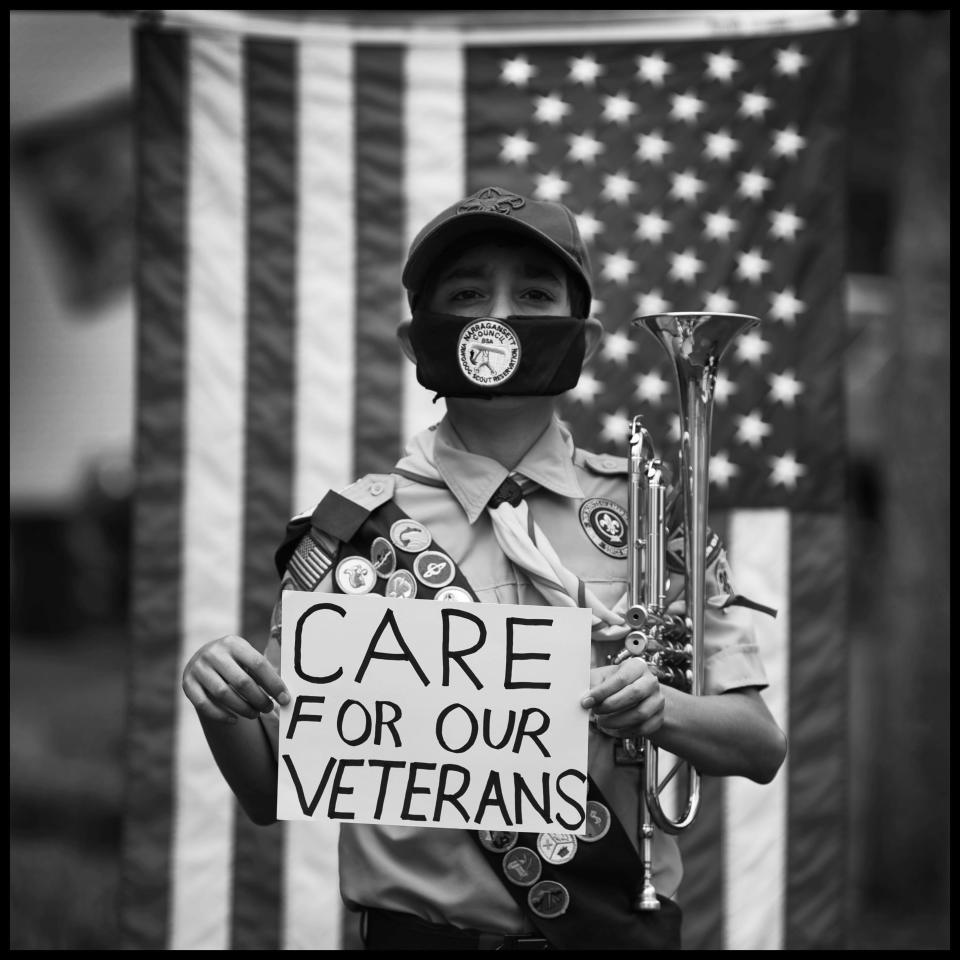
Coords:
636,616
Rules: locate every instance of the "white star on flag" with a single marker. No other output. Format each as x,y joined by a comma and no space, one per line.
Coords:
651,226
517,71
686,106
587,388
617,347
517,148
617,267
752,429
651,387
616,426
753,183
686,186
751,348
584,147
652,147
585,70
588,225
550,186
751,266
789,62
720,145
719,302
786,470
618,187
618,109
721,66
719,225
754,104
673,431
653,68
785,223
551,109
685,266
721,469
650,303
785,306
784,387
596,307
723,388
787,143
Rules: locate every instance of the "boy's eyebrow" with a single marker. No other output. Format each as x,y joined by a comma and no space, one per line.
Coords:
478,271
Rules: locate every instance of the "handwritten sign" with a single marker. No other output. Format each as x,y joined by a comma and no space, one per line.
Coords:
424,713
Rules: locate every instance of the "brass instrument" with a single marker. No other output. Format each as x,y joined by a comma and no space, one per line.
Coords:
670,644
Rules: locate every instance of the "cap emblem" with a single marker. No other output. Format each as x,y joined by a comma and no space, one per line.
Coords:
491,200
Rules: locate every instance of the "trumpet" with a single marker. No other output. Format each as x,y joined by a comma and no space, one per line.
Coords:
672,645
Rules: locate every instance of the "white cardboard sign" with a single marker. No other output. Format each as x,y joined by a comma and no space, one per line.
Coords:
425,713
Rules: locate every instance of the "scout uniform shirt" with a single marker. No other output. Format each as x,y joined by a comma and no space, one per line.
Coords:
440,874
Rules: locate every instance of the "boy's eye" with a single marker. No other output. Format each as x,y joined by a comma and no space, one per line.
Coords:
464,294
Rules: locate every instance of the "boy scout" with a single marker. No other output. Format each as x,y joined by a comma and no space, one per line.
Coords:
497,504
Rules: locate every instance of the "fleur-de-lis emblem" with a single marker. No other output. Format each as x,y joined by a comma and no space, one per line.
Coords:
491,200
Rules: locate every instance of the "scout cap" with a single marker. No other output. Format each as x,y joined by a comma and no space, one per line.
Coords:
493,208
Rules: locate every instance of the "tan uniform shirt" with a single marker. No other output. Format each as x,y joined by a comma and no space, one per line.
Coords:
439,874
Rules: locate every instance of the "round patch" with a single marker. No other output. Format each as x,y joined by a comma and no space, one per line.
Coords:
598,821
489,352
410,536
522,866
557,848
383,557
401,585
433,569
497,841
605,523
355,575
453,595
548,899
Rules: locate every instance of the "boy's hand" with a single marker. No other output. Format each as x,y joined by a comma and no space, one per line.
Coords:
227,678
626,699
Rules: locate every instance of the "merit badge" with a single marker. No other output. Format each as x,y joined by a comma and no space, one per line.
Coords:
355,575
401,585
453,595
383,557
548,899
605,523
522,866
497,841
557,848
410,536
433,569
598,821
489,352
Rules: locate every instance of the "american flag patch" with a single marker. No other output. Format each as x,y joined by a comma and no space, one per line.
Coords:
309,564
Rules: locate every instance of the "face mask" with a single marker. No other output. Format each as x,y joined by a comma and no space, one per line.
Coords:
490,357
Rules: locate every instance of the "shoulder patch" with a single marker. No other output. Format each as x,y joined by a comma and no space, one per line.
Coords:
602,463
371,491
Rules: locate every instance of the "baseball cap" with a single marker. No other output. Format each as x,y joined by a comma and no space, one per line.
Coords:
492,208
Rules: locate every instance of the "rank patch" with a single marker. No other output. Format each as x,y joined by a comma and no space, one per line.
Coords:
605,523
522,866
383,557
548,899
355,575
557,848
410,536
497,841
433,569
401,585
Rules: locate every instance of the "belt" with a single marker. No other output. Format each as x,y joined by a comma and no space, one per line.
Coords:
389,930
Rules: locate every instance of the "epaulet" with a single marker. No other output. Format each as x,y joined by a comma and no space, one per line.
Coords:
601,463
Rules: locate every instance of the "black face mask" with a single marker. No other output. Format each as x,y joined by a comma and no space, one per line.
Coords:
490,357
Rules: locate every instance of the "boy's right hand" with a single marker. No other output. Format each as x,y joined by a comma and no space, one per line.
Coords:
228,677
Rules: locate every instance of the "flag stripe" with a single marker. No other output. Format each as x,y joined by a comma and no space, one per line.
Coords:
816,885
755,814
155,618
380,255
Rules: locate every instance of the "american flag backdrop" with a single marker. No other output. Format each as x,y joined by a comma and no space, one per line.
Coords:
284,165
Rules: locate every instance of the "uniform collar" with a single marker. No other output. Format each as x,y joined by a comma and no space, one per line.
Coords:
473,478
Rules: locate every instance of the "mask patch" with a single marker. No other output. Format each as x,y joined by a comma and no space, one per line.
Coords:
605,523
489,352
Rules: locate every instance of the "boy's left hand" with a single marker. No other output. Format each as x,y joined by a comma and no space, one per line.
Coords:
626,699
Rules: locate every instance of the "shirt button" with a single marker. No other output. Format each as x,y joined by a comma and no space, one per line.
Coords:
376,488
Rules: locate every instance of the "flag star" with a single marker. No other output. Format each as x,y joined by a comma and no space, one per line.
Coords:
686,106
616,426
785,306
618,109
755,103
550,186
596,307
673,431
751,266
686,186
652,147
587,388
722,66
517,71
720,302
685,266
651,387
551,109
617,267
584,147
720,145
653,68
651,226
789,62
516,148
753,183
617,187
588,225
785,387
787,143
719,225
617,347
722,470
751,347
752,428
785,223
651,303
723,388
786,470
584,70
